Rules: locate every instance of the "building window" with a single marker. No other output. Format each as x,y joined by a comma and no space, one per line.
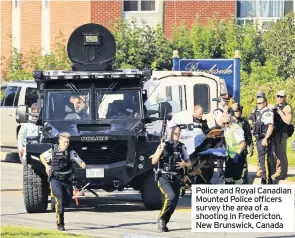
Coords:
202,96
16,3
45,4
262,12
139,5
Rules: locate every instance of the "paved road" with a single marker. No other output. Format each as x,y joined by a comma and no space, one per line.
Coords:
111,215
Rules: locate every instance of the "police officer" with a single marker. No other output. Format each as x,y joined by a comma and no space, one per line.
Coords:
218,113
235,146
252,118
173,157
198,120
263,129
282,118
27,129
237,111
222,108
59,167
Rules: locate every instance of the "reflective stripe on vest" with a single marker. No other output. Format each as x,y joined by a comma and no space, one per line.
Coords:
232,144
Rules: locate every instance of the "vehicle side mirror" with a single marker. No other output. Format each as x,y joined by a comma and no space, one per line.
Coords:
22,114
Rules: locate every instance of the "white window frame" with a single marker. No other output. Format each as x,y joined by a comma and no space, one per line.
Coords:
16,3
45,4
258,20
139,6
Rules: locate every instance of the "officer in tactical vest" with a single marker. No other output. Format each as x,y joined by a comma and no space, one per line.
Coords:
263,129
173,157
252,118
235,147
237,111
282,119
197,119
58,162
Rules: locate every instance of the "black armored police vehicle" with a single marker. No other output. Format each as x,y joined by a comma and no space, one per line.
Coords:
103,110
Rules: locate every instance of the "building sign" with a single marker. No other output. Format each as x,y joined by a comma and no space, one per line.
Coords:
223,68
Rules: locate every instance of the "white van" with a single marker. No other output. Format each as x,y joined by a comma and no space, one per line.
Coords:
183,90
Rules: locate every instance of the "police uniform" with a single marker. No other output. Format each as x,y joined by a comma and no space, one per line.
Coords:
280,142
265,117
200,123
244,124
233,169
61,163
170,176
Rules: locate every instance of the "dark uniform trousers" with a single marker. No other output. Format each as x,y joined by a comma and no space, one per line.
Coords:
235,170
62,192
265,161
171,191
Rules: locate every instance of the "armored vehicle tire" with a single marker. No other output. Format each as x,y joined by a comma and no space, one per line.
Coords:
35,191
150,193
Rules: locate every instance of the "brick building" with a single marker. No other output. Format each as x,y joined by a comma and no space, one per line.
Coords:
27,25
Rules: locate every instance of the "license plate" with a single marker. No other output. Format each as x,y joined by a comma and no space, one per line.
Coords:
95,173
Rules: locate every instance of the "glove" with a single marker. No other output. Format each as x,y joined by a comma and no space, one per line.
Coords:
251,149
236,158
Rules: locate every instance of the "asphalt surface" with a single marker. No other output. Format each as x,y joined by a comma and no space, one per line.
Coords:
119,214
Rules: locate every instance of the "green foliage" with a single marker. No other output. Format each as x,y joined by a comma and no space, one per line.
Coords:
267,58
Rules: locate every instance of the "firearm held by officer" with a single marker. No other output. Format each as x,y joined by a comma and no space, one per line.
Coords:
172,157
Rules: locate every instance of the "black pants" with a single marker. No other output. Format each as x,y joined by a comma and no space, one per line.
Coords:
233,171
62,192
265,158
171,190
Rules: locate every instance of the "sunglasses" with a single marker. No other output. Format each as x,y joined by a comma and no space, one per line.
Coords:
226,123
260,103
278,96
177,134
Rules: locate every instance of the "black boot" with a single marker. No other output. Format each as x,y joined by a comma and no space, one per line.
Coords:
61,227
162,225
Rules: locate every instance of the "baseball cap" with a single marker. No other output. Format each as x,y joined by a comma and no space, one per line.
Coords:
260,94
282,93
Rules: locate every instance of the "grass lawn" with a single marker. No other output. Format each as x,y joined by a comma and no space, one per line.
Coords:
290,154
18,232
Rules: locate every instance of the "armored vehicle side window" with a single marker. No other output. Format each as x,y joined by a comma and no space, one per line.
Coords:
202,96
10,96
67,105
120,104
176,98
31,96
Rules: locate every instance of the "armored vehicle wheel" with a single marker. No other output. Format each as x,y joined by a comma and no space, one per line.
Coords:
35,191
150,193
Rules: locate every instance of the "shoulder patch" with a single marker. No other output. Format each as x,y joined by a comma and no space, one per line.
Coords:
268,114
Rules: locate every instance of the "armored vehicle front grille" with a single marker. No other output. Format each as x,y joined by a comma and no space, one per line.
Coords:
103,152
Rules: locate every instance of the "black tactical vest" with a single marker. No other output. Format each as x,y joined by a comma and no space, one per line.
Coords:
171,155
61,164
260,128
279,124
200,123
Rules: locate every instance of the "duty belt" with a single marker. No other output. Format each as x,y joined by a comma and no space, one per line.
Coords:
170,176
62,175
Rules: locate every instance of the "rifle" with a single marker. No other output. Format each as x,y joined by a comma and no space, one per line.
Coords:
162,139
